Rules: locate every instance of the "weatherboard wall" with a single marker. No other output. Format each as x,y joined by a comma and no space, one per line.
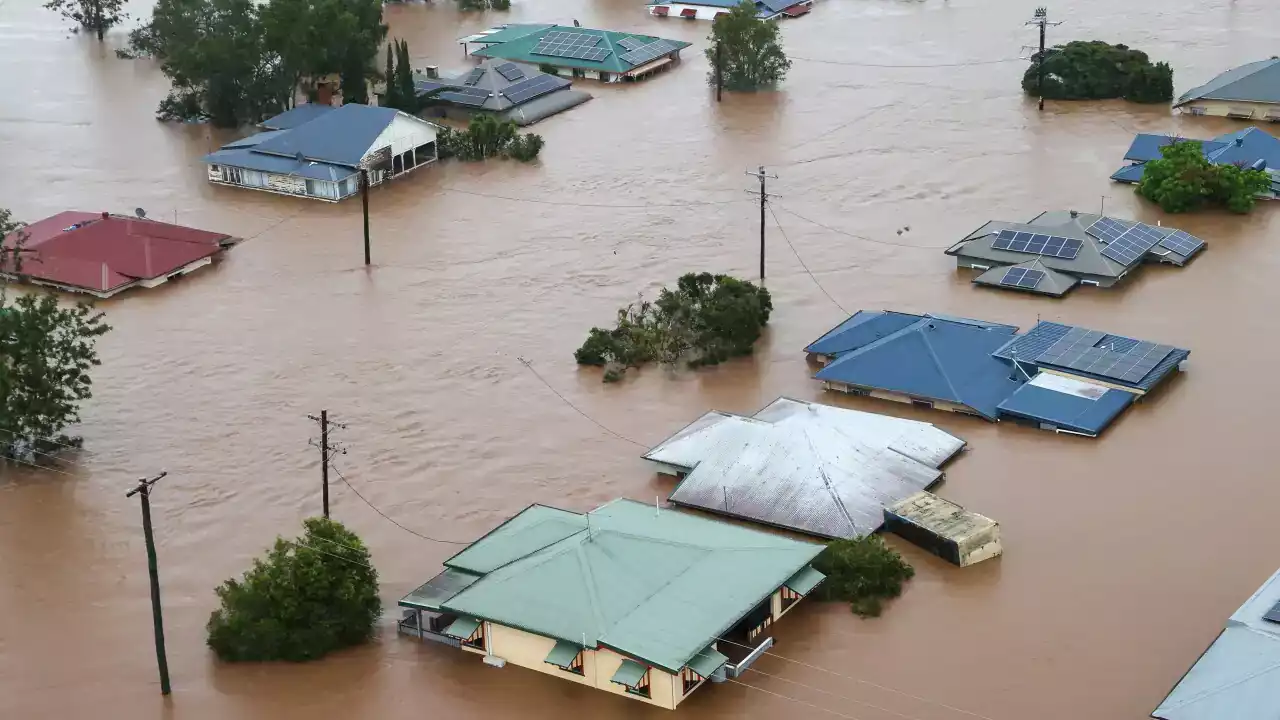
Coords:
1233,108
897,397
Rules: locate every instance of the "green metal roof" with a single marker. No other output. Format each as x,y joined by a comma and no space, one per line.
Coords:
520,49
512,32
805,581
462,628
563,653
707,662
629,673
658,586
438,589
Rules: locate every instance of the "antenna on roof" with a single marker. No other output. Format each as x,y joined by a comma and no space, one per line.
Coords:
140,213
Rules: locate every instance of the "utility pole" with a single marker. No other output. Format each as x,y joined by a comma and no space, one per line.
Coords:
143,489
719,71
364,198
1041,19
764,199
325,454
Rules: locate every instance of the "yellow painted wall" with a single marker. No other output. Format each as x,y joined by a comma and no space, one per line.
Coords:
1221,109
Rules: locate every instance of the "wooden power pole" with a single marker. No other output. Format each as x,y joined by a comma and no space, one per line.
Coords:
327,451
143,490
764,201
1041,19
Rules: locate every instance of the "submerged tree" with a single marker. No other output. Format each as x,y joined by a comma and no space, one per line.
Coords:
486,137
749,50
863,572
1182,179
1094,70
307,598
96,15
484,4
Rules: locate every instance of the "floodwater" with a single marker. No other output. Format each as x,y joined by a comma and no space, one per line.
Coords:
1124,556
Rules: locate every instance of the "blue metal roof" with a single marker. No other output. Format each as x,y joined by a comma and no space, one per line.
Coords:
934,359
340,136
1028,346
1130,173
1247,147
862,328
1067,411
299,115
249,160
252,140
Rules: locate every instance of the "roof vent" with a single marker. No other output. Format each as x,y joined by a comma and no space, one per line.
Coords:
1239,141
1075,213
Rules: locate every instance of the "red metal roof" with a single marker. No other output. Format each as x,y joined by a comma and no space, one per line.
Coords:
797,10
689,12
100,252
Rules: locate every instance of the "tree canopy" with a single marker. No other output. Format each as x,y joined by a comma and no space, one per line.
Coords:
400,92
486,136
305,599
95,15
1182,179
863,572
46,353
707,319
1094,70
750,50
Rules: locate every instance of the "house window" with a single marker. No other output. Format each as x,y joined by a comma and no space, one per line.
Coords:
232,175
789,597
641,687
575,667
476,640
859,391
689,680
921,403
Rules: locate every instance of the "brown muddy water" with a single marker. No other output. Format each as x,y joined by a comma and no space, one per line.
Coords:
1123,556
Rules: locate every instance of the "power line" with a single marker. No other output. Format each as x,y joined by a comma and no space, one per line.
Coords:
42,467
863,238
48,440
802,264
388,518
322,552
55,456
597,423
788,697
887,66
589,205
838,695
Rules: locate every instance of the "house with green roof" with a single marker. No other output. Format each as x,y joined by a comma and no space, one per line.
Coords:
640,601
577,51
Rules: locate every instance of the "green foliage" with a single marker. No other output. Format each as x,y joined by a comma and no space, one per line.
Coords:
95,15
400,93
751,55
487,137
704,321
1183,179
1094,70
863,572
304,600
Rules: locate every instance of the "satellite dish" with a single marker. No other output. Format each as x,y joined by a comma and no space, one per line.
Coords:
140,212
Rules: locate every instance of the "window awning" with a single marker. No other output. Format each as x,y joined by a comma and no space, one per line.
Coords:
689,13
563,653
462,628
805,581
797,10
707,662
661,10
629,673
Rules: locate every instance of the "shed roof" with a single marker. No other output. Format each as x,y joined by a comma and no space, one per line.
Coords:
520,48
805,466
1239,675
1067,403
1252,82
658,586
1031,344
435,591
941,517
340,136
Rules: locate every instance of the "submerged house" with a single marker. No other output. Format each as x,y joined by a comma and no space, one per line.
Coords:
102,255
1057,251
317,151
1248,92
578,52
1251,148
642,602
1055,377
712,9
511,91
1239,675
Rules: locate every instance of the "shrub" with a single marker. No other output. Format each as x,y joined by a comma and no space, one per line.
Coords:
525,148
305,599
1094,70
863,572
485,137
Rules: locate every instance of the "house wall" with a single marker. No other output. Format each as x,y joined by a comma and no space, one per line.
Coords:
404,133
704,12
1221,108
282,184
895,397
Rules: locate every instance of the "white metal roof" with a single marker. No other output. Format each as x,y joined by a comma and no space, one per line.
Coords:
810,467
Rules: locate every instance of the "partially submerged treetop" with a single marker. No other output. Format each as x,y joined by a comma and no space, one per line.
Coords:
747,49
1182,179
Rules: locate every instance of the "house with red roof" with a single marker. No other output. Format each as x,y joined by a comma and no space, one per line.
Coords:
103,254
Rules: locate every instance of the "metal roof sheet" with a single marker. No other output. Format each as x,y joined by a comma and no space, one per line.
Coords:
805,581
708,661
1252,82
1028,346
341,136
563,653
520,49
296,116
629,673
862,328
438,589
1089,261
1053,284
814,468
462,628
1067,403
248,159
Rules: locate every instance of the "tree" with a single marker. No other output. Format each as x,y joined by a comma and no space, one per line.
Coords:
391,97
1091,70
751,55
484,4
96,15
863,572
404,79
46,353
1182,179
486,137
306,599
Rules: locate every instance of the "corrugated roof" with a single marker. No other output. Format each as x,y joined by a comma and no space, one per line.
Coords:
435,591
940,516
655,585
248,159
1089,261
805,581
1051,399
1029,346
809,467
492,82
341,136
1053,284
933,359
509,32
1252,82
296,116
708,661
862,328
1239,675
520,49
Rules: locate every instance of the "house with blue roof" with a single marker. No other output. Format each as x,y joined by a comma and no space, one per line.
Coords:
711,9
1251,147
318,151
1055,377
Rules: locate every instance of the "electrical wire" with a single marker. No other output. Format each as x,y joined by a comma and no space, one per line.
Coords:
48,440
905,67
699,203
828,692
387,517
42,467
788,697
597,423
322,552
863,238
802,263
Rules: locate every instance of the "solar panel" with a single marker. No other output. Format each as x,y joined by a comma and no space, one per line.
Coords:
473,77
630,43
1078,350
1037,244
1133,244
645,53
572,45
533,87
1183,243
471,97
1022,277
510,71
1273,615
1107,229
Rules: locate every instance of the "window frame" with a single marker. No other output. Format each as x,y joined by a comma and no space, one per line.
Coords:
642,687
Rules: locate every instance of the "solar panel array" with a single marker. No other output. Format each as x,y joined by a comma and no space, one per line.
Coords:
473,77
471,97
579,45
630,44
1131,246
1107,230
1077,350
1022,277
1182,242
532,88
1273,615
510,71
1037,244
645,53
